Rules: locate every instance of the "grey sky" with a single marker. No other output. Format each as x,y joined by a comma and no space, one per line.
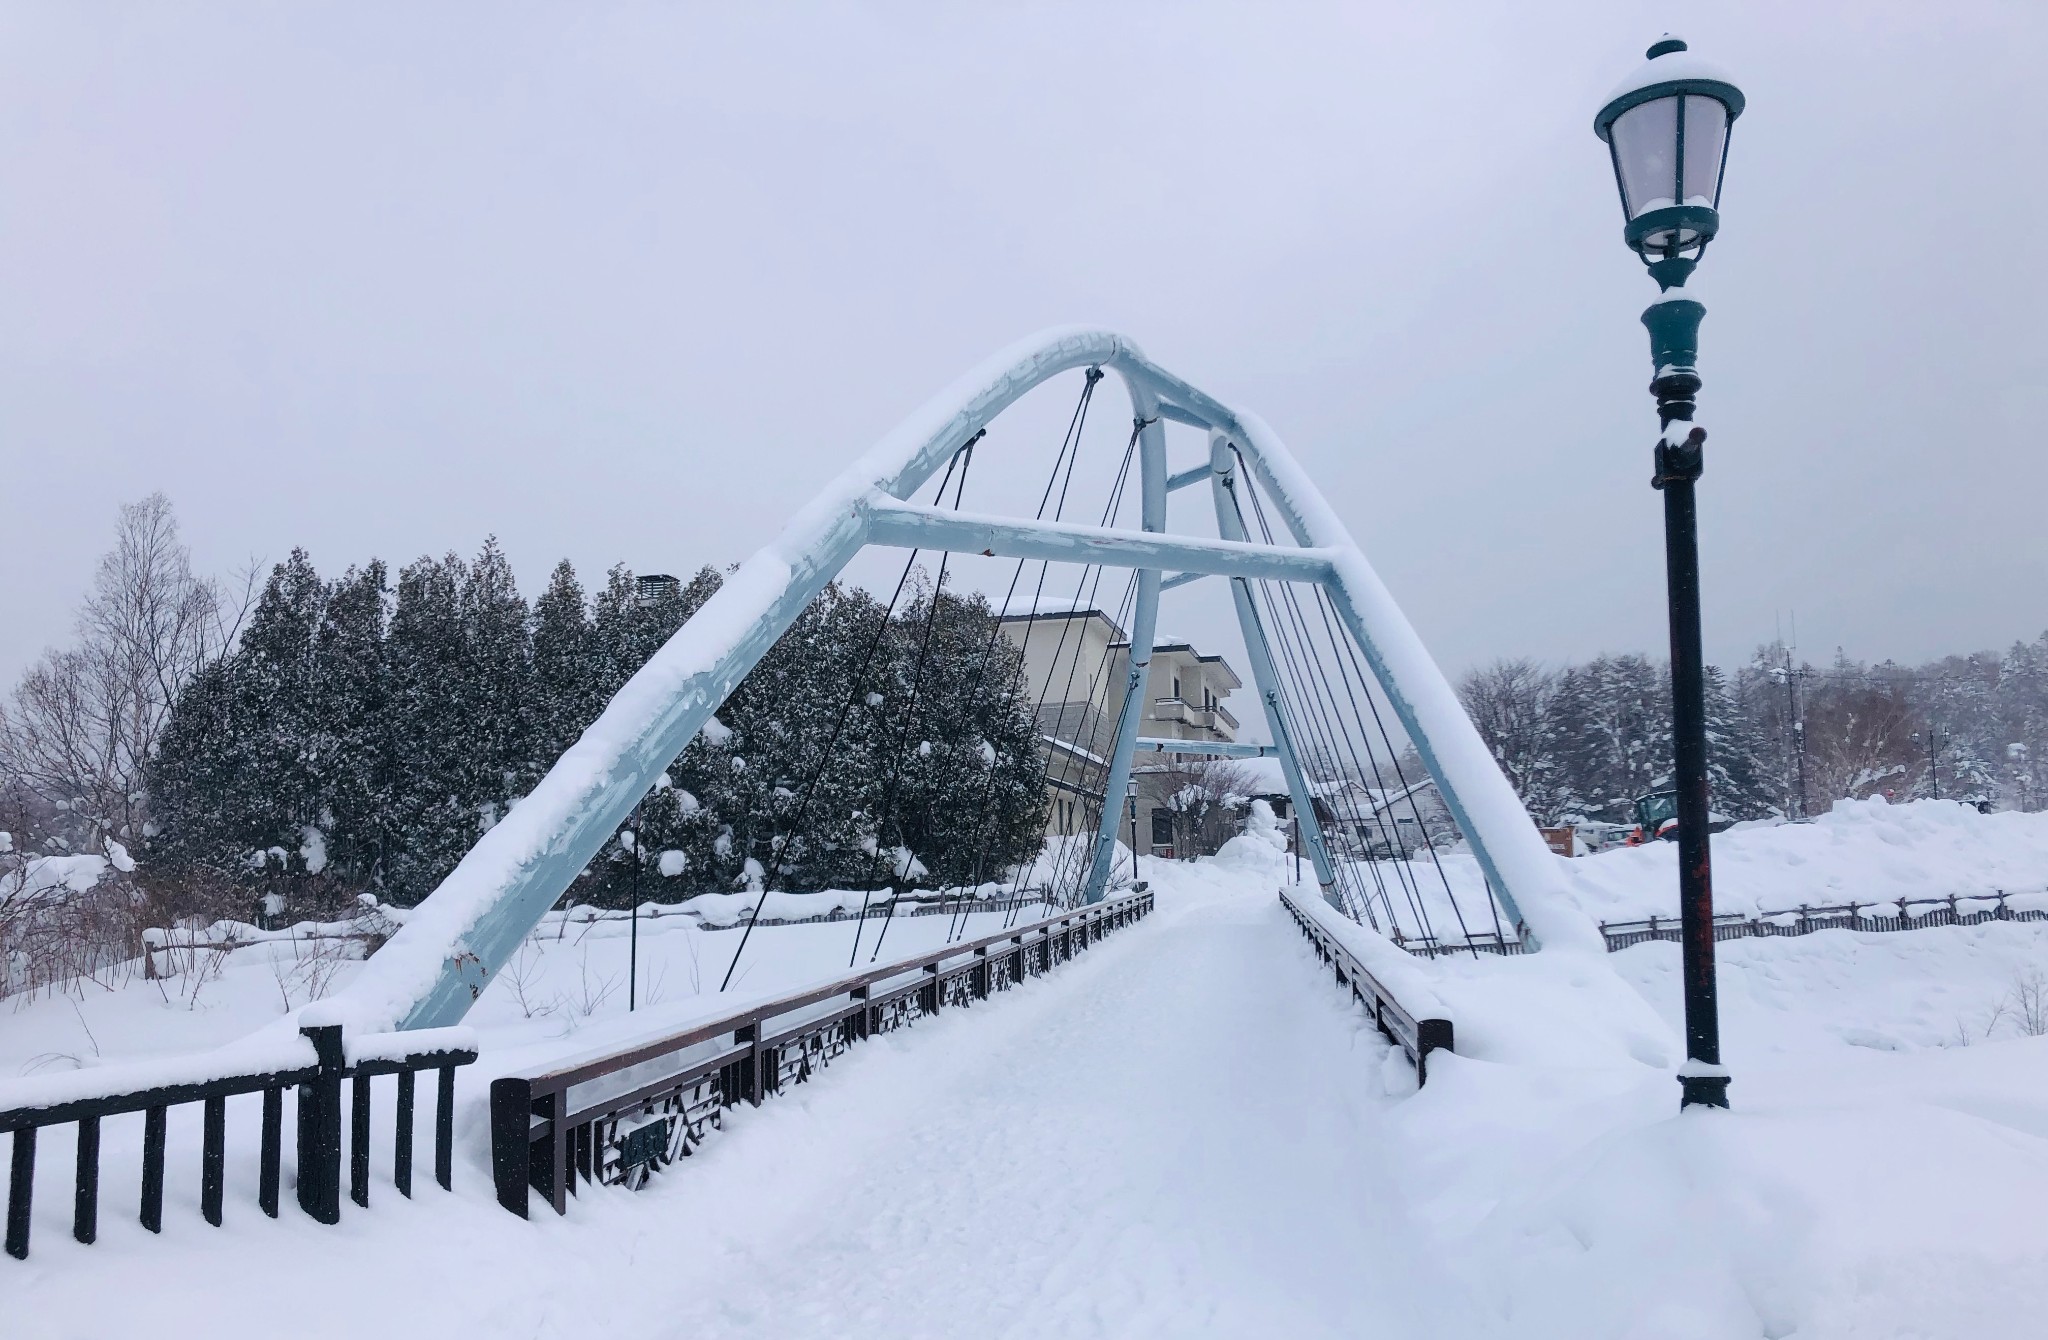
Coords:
623,283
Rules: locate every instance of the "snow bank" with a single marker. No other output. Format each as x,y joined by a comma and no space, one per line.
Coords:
1866,851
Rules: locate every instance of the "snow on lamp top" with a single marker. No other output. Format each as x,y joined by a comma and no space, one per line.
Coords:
1666,128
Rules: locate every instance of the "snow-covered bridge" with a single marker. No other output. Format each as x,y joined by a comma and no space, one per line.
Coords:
1187,1130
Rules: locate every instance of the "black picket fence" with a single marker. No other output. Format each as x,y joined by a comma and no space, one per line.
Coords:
315,1065
1951,910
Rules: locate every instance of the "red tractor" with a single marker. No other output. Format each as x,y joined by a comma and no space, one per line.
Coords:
1657,819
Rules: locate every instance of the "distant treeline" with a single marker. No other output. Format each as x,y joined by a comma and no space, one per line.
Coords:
1786,737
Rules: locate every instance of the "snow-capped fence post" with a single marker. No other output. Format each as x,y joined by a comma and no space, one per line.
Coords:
319,1145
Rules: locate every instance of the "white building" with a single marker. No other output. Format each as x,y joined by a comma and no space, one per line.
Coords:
1076,662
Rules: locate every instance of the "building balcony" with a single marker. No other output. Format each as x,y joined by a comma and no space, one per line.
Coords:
1185,713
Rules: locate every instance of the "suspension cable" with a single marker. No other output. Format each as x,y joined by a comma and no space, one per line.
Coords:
1317,732
1349,651
775,840
911,714
1324,705
1069,453
1109,513
1321,709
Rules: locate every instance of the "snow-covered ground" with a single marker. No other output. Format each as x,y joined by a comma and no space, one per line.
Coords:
1191,1132
1864,851
567,979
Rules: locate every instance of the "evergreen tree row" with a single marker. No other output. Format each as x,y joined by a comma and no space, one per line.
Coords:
363,734
1583,742
1784,738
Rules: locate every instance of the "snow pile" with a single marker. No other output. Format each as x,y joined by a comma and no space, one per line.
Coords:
1256,847
1865,851
1881,1172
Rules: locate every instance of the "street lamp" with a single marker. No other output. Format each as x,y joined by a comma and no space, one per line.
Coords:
1666,130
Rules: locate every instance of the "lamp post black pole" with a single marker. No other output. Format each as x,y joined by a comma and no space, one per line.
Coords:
1674,322
1133,801
633,943
1666,131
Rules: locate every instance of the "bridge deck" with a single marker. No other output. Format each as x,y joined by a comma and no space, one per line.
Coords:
1173,1137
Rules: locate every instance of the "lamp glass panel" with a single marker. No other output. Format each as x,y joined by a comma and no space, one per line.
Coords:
1706,135
1646,151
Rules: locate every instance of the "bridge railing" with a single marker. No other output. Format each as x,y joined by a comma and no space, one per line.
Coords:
315,1063
1404,1009
617,1117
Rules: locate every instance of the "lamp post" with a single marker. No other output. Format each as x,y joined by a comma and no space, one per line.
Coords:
1131,799
630,840
1666,130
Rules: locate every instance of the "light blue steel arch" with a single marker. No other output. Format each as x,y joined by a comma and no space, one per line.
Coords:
455,941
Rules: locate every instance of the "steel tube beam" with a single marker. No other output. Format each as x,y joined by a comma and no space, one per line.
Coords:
1266,679
907,527
1182,579
1187,478
1144,627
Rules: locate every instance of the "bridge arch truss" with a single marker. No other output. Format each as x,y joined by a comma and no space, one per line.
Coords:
456,940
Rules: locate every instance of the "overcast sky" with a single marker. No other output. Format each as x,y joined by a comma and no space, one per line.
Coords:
620,283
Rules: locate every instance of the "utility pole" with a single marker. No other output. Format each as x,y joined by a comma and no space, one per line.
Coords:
1936,738
1796,728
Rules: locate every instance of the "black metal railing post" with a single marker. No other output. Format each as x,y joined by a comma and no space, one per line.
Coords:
401,1136
155,1124
319,1152
213,1158
21,1186
511,1142
272,1155
85,1204
359,1141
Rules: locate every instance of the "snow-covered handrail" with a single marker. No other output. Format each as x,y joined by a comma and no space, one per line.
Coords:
1382,978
